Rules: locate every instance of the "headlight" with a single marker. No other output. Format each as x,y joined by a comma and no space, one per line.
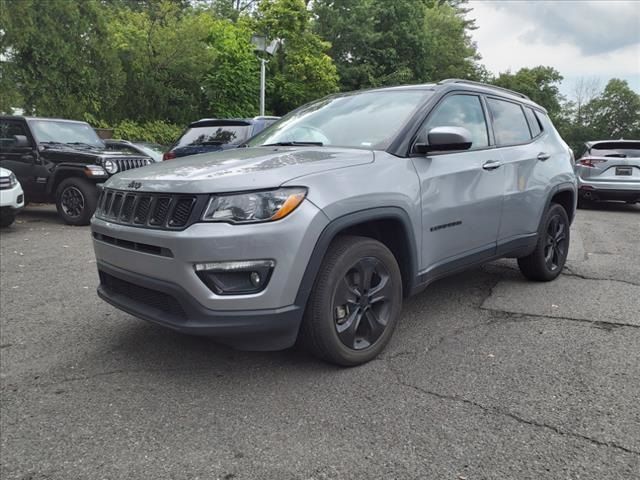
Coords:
254,206
13,181
110,166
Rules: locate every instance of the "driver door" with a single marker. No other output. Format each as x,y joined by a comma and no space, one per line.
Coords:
21,160
461,190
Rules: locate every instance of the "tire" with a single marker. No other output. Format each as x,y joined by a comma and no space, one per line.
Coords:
546,262
584,203
339,325
6,219
76,200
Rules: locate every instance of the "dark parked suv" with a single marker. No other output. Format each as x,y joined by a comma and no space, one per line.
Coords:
215,134
319,228
60,161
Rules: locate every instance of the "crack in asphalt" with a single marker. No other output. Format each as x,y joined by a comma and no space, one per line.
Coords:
507,413
518,316
573,273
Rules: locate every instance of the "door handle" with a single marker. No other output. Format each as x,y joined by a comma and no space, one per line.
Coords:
542,156
491,165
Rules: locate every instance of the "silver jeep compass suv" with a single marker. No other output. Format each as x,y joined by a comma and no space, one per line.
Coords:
317,230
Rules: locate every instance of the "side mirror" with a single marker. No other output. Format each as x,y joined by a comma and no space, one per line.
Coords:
20,141
444,139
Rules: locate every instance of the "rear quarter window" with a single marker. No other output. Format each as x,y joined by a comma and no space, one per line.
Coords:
534,123
509,123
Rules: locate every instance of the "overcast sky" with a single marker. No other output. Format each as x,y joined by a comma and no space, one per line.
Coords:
580,38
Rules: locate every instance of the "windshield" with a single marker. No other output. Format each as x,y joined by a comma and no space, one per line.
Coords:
368,120
613,149
215,135
65,132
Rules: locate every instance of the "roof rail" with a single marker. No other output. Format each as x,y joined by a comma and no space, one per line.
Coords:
480,84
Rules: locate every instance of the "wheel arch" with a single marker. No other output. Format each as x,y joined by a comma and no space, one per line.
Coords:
61,174
389,225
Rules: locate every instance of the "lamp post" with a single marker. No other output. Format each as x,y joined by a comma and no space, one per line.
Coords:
263,49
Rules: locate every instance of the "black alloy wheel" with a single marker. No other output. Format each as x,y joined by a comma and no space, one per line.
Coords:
355,303
548,258
76,200
361,303
72,201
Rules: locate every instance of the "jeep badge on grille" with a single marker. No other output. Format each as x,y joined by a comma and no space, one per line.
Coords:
135,185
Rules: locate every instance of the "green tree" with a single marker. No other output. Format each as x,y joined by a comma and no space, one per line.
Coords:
166,55
376,42
232,85
541,84
58,60
615,113
301,70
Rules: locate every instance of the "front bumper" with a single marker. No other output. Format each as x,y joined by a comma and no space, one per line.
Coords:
150,274
12,198
169,305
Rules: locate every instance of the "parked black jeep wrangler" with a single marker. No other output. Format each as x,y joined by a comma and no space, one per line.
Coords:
60,161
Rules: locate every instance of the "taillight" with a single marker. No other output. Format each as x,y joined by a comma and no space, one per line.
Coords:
590,162
168,155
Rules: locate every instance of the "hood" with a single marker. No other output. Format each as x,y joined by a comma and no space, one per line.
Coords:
4,172
238,169
77,152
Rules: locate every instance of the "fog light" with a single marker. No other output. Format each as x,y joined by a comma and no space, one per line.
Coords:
235,278
255,279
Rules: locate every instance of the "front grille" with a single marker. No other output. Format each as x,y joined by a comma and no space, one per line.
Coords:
129,163
163,302
139,209
5,183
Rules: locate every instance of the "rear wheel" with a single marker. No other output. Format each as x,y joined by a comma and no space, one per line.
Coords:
76,200
547,261
584,203
355,303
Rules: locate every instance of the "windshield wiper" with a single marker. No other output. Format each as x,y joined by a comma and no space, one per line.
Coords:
82,144
293,144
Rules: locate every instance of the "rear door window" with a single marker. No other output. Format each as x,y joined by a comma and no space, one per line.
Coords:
509,123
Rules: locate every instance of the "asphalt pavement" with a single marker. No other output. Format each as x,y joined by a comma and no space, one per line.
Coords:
488,376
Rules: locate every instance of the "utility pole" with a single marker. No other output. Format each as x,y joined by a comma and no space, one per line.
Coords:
263,49
263,74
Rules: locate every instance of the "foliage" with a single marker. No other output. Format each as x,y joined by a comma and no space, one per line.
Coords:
301,70
375,42
165,55
615,113
232,86
146,66
540,84
59,60
155,131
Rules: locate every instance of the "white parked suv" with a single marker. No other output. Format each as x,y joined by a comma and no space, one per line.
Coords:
11,197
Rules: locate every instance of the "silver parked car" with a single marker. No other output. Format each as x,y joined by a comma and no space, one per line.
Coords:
332,215
609,170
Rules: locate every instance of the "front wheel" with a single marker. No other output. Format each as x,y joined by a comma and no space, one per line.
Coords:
355,304
6,218
76,200
547,261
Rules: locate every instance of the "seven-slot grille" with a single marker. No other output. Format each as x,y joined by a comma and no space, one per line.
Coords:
5,183
129,163
139,209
